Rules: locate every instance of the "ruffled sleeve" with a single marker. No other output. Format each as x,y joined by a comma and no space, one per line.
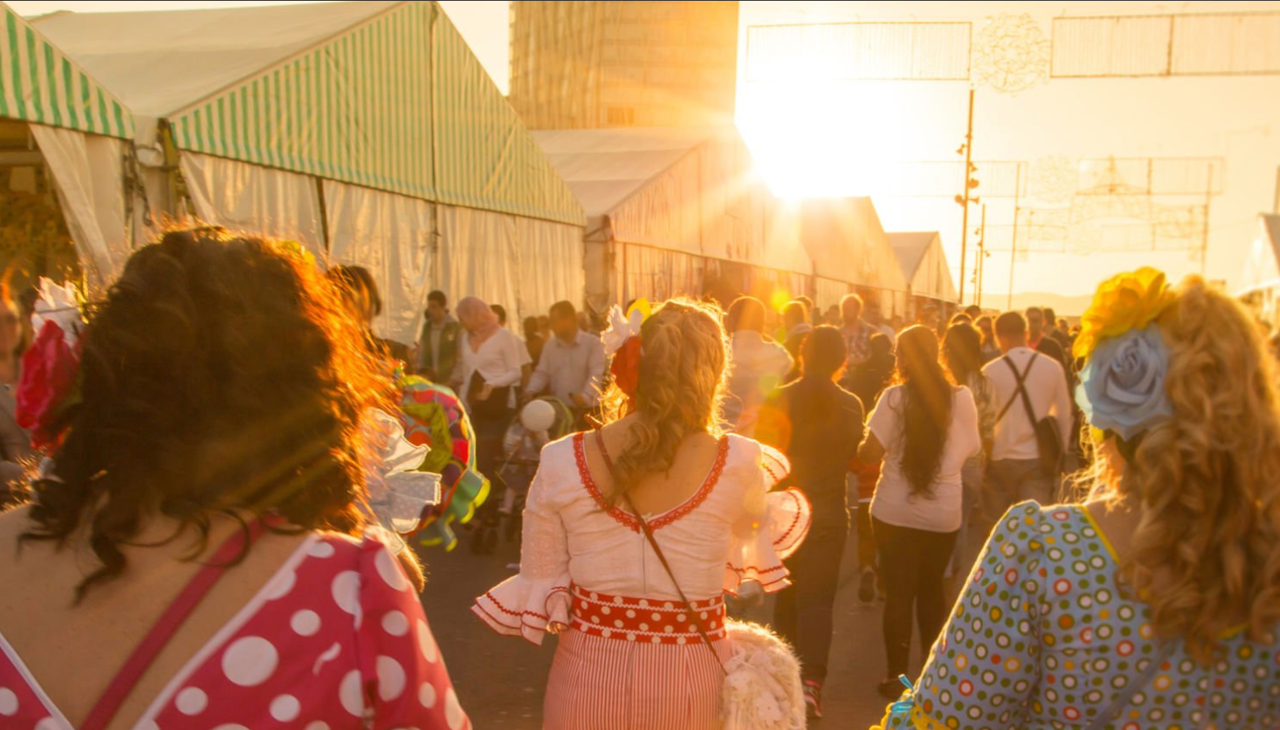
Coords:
525,604
773,526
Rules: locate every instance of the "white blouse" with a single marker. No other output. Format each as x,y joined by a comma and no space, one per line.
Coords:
498,360
894,503
733,529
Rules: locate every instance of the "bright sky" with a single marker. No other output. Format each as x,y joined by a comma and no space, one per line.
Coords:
841,137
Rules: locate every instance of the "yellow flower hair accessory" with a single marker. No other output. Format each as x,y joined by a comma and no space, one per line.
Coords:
1125,302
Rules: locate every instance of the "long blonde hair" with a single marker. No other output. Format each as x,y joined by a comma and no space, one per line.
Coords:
1206,553
679,391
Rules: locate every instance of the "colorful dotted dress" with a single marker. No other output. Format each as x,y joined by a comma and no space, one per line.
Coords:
1041,638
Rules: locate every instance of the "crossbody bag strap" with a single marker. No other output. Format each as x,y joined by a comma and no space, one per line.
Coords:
170,621
648,534
1118,704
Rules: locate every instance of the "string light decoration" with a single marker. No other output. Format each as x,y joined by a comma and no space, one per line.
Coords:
1011,53
1054,179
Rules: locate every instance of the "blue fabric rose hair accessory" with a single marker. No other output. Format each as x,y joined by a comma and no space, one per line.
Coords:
1122,388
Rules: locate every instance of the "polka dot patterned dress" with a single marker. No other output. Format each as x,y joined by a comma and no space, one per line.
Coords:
1041,639
337,640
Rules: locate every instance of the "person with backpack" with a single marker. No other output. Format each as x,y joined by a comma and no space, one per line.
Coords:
1033,422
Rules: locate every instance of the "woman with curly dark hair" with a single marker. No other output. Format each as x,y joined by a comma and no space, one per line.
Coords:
217,432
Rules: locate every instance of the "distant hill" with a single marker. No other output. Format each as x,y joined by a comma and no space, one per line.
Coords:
1063,306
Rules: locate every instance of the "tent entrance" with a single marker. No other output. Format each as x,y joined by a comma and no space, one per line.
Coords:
34,238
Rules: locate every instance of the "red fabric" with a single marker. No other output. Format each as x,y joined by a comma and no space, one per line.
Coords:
49,371
337,636
648,621
868,475
626,367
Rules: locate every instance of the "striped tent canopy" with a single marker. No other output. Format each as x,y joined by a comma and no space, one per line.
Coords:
41,85
384,95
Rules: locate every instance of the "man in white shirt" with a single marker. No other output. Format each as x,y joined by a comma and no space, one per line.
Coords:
1014,473
572,364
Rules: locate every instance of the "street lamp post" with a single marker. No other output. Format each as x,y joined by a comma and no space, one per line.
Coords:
970,184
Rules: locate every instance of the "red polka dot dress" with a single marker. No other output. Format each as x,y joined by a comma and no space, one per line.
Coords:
336,640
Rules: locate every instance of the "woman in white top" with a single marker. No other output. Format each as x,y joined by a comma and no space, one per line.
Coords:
492,362
630,655
924,429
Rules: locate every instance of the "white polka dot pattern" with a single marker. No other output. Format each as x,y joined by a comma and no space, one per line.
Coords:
346,591
296,659
191,701
390,678
427,695
453,714
250,661
427,643
305,623
285,708
395,623
349,694
390,571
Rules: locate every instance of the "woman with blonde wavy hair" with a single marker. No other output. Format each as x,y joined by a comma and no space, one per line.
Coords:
630,654
1154,604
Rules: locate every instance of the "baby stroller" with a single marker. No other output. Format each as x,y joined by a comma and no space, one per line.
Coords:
540,422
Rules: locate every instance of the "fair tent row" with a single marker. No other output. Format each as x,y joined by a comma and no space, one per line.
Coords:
676,210
366,131
369,133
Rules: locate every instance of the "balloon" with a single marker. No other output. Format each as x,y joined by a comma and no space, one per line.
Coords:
538,416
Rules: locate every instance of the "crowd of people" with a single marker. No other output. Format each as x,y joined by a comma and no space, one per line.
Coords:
209,416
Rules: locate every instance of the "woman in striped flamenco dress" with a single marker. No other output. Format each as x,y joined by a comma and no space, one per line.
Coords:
630,655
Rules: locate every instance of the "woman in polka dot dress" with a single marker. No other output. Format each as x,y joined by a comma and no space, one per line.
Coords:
197,560
1154,605
630,655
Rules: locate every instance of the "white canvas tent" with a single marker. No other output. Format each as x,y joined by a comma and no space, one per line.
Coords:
924,264
851,253
1261,287
79,130
669,207
367,131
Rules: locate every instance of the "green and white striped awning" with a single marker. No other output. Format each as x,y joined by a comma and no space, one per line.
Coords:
39,84
397,102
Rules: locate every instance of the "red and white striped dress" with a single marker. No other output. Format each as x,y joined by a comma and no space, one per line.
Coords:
632,658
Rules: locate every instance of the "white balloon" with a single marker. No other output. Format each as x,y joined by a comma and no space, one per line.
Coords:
538,416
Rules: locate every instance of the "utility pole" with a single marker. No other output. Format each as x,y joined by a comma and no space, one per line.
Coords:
1204,242
966,198
982,254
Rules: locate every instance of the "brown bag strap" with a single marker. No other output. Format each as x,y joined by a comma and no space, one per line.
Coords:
648,533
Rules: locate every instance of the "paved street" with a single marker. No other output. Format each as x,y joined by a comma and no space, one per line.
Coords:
501,680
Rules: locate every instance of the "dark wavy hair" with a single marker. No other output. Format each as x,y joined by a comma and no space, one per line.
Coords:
222,374
926,409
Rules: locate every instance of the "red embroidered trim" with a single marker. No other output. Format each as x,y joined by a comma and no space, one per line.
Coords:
783,539
708,484
629,520
754,569
489,595
580,453
501,629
